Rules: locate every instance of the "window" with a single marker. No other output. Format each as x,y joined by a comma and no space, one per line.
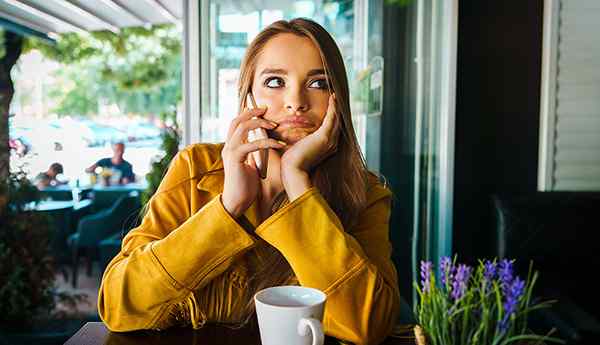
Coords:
570,106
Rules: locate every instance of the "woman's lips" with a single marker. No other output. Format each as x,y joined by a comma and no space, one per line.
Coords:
295,121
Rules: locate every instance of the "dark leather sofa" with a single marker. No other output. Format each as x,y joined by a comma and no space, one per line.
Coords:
560,233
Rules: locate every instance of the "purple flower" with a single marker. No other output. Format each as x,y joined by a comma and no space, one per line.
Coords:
513,294
461,279
489,274
505,273
446,270
489,270
426,267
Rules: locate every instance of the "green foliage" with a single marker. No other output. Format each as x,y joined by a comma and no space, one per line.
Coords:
79,92
139,70
2,45
170,145
27,269
399,2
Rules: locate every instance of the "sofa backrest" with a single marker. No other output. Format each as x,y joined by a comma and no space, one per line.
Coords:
558,231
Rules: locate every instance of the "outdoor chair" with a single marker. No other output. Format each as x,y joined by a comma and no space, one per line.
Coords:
91,229
109,248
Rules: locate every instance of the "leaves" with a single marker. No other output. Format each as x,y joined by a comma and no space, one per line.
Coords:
27,270
170,146
139,70
400,3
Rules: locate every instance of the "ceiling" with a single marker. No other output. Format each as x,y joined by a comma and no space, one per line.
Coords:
52,17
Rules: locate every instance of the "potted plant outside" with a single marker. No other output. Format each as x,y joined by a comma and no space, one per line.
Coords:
28,295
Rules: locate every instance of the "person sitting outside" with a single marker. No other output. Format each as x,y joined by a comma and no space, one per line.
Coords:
116,162
48,178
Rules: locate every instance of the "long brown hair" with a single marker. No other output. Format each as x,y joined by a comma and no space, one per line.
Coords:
342,177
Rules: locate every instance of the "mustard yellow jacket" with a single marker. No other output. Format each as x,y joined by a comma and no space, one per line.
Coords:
188,260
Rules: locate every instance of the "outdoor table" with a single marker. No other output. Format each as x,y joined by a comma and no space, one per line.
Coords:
61,212
63,192
105,196
96,333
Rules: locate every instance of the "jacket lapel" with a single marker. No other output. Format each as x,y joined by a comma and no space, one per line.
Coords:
213,180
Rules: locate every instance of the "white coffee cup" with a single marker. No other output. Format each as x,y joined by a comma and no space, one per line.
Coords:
290,315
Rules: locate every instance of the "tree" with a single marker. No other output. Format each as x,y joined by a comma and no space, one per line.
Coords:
81,87
138,61
10,49
139,70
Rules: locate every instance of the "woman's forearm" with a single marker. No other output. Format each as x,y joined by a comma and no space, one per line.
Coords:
295,181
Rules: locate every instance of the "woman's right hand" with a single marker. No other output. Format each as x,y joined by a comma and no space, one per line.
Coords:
241,176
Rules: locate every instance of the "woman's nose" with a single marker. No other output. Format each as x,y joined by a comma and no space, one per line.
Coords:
296,101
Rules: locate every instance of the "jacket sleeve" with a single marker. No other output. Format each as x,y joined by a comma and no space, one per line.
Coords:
353,268
172,253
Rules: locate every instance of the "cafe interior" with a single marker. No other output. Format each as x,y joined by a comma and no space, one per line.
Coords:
481,116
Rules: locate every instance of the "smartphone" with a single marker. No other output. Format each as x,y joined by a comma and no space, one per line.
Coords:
261,157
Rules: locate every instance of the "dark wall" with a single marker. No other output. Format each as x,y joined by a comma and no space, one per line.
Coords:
497,112
397,136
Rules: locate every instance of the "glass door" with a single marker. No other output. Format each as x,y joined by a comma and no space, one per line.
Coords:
356,26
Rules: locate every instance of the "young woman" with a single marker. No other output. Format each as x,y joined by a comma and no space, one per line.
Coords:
215,233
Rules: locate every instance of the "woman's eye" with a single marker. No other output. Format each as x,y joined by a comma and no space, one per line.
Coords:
274,82
318,84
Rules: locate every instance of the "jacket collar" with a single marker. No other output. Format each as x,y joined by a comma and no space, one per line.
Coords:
213,182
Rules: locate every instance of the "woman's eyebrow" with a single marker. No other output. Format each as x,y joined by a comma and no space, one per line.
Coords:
282,71
273,71
314,72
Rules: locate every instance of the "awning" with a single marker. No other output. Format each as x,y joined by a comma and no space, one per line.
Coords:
52,17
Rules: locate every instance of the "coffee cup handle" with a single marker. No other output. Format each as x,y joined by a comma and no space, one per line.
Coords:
315,327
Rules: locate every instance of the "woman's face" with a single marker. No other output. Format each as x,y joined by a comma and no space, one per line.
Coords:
290,81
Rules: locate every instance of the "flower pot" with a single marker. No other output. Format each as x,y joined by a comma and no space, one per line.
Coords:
420,338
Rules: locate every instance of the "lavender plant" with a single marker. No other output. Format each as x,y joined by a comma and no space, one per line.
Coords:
486,305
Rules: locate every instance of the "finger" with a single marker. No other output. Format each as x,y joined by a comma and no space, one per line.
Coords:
250,161
240,134
242,151
332,125
329,121
243,116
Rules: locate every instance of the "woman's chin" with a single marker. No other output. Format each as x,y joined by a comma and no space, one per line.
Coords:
293,135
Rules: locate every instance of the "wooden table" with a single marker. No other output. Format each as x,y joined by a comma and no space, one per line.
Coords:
95,333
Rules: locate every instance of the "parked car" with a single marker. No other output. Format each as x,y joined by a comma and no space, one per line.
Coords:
17,140
43,136
20,144
100,135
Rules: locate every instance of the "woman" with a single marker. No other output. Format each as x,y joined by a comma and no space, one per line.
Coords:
215,233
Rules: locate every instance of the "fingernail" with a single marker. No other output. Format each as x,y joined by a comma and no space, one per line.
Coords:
282,142
275,124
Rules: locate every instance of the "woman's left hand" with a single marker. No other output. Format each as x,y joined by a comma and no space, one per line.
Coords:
308,152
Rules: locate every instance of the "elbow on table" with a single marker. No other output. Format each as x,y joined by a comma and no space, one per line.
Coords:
380,329
375,328
114,316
